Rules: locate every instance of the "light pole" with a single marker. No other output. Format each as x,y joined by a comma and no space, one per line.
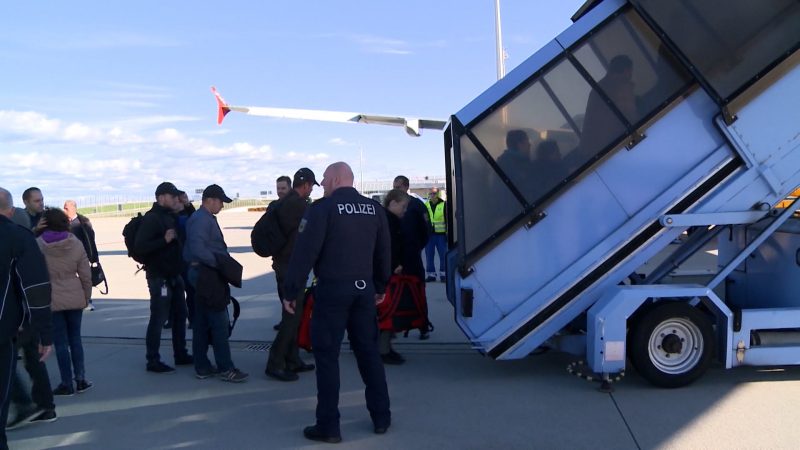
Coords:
501,53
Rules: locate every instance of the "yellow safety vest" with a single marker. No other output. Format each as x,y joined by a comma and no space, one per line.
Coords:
437,217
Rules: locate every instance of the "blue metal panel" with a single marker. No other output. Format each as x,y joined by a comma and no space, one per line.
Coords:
537,255
485,310
585,24
771,356
509,83
598,254
654,165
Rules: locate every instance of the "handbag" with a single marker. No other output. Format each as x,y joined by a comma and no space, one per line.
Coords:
99,277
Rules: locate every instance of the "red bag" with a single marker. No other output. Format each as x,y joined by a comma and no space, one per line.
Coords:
405,306
304,330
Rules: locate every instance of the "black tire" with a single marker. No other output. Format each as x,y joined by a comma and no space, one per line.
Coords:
672,344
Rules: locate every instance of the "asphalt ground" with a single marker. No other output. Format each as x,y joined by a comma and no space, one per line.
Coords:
446,395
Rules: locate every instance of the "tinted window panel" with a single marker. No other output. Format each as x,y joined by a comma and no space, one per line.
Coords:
488,204
541,136
729,42
631,66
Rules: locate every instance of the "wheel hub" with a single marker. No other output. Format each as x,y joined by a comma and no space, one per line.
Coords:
672,343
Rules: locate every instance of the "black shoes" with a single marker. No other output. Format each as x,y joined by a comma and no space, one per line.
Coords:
184,360
393,358
430,278
282,374
303,367
314,434
277,326
64,390
159,367
23,418
82,386
381,429
424,336
48,415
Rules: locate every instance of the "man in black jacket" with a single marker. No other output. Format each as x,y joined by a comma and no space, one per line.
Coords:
26,301
157,241
284,356
81,227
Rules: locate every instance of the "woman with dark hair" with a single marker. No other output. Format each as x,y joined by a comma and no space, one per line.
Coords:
395,203
71,282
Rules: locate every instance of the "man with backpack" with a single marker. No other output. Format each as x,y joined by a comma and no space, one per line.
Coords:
207,255
284,356
156,244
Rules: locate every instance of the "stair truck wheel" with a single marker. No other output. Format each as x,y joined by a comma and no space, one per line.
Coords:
672,344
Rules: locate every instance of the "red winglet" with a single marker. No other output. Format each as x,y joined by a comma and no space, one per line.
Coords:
222,106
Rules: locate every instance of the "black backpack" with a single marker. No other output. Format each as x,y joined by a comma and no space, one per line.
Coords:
267,238
129,233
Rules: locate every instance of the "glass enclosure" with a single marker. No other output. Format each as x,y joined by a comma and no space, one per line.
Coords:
557,124
732,42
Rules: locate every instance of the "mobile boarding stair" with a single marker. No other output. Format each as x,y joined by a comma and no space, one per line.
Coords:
642,120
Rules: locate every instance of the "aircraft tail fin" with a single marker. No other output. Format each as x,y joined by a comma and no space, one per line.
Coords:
222,106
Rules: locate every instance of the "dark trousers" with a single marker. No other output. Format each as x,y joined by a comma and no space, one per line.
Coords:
340,306
284,353
189,296
69,348
8,363
166,299
41,391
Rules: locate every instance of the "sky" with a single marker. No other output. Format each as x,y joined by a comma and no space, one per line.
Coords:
110,98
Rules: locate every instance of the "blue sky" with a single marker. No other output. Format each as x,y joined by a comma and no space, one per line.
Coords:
111,98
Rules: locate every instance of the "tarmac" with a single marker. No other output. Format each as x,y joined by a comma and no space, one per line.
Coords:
445,396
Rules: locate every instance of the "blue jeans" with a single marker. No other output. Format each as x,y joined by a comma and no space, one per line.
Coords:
209,324
438,243
67,340
161,307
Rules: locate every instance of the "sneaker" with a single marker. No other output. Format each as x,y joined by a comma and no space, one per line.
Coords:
64,390
159,367
48,415
424,336
233,376
90,307
443,279
206,373
167,325
184,360
430,278
82,386
24,418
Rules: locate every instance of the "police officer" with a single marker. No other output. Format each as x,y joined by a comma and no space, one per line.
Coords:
344,237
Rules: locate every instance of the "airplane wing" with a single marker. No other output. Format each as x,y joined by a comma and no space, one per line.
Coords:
412,126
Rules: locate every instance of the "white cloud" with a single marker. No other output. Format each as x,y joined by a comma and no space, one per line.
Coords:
28,123
101,158
338,141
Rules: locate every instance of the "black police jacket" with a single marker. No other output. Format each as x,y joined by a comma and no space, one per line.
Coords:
23,274
289,214
343,237
160,258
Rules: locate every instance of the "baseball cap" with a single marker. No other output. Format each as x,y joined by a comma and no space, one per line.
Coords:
214,191
167,188
305,175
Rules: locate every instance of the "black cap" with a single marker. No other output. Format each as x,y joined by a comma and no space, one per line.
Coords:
214,191
167,188
304,175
